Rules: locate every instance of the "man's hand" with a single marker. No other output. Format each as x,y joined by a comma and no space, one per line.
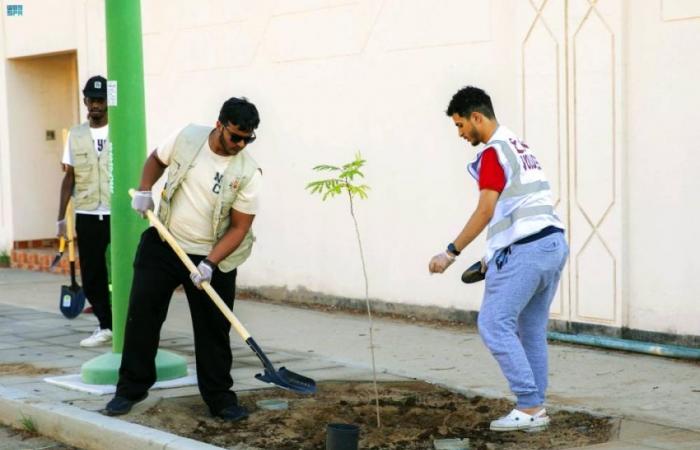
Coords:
61,228
205,271
142,201
440,262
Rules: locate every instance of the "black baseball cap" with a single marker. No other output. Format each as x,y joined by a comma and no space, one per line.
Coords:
96,87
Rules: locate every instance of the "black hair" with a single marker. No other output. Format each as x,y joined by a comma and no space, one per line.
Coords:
239,112
471,99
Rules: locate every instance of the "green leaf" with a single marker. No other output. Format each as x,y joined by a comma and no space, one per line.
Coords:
331,187
326,167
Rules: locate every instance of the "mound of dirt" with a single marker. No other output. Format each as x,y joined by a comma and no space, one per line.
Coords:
412,414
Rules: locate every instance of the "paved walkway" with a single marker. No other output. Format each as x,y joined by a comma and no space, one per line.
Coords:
11,439
657,398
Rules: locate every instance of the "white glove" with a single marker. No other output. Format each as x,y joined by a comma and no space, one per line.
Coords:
206,270
440,262
61,228
142,202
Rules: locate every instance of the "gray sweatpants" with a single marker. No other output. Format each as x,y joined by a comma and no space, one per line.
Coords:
520,284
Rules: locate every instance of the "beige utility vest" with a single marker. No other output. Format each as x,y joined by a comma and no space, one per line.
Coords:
93,172
236,176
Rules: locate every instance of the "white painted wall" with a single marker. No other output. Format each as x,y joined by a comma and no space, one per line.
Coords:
332,77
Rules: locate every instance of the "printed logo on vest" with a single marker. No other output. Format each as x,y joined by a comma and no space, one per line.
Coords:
218,178
529,161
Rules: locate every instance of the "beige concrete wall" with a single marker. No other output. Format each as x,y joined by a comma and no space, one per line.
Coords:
331,79
571,78
662,162
58,26
599,89
41,97
5,203
47,26
39,90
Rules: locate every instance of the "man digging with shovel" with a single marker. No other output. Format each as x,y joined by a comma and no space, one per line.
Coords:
525,254
208,205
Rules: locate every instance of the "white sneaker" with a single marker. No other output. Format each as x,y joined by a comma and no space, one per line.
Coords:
99,337
518,420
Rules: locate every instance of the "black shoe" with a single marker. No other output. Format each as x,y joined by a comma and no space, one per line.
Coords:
233,413
121,405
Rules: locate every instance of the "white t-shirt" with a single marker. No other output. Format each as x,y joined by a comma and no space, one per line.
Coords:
192,205
99,140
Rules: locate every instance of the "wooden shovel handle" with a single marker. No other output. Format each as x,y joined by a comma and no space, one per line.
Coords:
165,234
70,231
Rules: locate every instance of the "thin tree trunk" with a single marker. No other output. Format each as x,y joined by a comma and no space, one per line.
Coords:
369,309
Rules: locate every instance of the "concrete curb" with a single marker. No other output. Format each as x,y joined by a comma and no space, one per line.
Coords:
85,429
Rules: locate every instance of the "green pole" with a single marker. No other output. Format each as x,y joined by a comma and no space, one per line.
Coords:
127,132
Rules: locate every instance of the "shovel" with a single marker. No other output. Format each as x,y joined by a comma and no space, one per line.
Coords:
72,298
283,378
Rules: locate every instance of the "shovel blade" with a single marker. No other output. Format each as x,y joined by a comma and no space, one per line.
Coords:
286,379
473,274
72,301
59,254
55,261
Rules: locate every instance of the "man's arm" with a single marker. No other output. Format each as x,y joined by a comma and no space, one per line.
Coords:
143,199
152,170
479,219
229,242
475,225
66,190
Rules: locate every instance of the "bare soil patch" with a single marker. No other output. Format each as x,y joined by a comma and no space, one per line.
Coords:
413,414
25,369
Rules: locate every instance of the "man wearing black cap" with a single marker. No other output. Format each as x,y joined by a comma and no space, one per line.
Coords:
88,161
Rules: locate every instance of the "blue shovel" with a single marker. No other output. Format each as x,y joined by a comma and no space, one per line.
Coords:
72,298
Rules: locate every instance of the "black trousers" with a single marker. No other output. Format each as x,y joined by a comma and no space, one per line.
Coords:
157,272
93,238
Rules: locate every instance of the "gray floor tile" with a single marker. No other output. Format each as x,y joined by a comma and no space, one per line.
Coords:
673,440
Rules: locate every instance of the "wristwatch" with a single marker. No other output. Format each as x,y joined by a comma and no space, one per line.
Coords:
452,249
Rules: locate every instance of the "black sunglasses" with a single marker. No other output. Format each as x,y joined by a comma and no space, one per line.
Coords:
236,138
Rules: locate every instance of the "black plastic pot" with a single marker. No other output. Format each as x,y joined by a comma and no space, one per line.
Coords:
342,436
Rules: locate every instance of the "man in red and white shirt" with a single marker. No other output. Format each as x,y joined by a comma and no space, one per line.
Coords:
491,174
525,254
